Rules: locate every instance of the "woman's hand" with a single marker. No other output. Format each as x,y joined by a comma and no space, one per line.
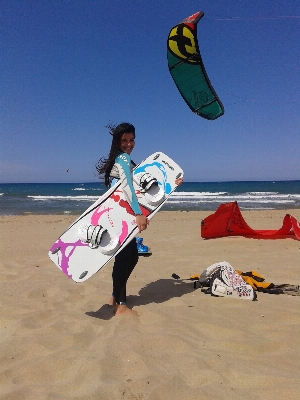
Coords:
178,181
142,222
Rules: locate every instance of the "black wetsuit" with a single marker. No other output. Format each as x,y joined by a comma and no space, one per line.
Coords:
124,264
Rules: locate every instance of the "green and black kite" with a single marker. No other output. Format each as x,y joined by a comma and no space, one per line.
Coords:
188,72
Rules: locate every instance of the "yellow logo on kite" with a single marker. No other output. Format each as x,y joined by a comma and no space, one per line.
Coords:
181,43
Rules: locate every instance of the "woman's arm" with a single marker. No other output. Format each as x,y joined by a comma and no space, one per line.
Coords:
123,163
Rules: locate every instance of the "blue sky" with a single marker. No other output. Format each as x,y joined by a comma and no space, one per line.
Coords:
70,67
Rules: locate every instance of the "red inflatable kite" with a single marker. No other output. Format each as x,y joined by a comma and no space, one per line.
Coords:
228,221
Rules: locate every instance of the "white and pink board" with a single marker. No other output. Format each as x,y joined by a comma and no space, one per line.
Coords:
80,258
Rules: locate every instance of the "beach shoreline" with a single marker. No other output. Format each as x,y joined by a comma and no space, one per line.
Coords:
74,199
59,339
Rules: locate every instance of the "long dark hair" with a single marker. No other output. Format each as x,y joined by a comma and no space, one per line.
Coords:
104,165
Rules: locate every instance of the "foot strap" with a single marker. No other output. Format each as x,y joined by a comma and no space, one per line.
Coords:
146,180
91,234
98,237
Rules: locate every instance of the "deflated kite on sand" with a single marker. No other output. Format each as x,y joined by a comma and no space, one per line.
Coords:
228,221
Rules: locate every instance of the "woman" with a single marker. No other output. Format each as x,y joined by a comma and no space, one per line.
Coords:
119,165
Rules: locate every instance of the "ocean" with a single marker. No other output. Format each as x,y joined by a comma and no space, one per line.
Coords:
75,198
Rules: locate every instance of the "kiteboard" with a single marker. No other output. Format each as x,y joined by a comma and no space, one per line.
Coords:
103,230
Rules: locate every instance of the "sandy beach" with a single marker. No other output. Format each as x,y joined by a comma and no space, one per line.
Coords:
59,339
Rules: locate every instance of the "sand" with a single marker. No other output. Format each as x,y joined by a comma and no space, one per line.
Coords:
59,339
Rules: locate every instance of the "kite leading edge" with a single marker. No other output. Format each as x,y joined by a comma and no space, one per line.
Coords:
187,69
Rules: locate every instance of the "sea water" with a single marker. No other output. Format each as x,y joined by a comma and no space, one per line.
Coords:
75,198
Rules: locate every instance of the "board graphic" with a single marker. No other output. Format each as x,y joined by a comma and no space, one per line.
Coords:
109,224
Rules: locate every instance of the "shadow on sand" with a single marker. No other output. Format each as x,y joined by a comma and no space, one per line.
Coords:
155,292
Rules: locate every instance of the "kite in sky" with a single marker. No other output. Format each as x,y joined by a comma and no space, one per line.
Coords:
188,72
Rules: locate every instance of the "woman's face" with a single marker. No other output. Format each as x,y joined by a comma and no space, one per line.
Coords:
126,143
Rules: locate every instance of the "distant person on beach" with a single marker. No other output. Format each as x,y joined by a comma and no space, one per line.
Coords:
118,165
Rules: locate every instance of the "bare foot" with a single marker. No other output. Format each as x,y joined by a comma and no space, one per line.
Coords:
122,309
112,301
